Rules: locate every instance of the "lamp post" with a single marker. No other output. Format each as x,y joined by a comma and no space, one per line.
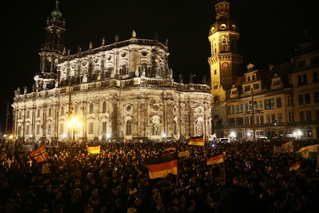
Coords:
253,113
74,124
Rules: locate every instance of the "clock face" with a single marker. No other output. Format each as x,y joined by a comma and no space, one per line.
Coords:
225,64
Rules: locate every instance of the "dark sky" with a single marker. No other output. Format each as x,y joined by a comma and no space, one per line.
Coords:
270,30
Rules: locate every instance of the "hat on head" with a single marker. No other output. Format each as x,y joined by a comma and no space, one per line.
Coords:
131,210
132,191
159,207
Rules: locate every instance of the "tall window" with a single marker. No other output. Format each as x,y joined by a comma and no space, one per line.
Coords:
37,131
104,107
290,100
278,102
279,117
49,129
38,113
317,115
76,108
316,97
50,111
307,98
216,111
261,119
199,128
302,116
268,118
269,104
273,118
61,128
300,99
104,129
62,110
175,127
308,115
91,128
27,130
260,105
291,117
129,127
91,108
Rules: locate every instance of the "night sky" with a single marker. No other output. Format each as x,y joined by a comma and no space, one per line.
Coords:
269,32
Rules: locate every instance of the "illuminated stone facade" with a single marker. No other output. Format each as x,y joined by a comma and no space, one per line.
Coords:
120,90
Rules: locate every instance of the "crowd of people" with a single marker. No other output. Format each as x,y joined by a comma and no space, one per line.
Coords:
252,178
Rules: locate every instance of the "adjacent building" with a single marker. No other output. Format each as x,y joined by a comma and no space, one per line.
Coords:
280,101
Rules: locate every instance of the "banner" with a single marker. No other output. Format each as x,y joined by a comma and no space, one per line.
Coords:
196,141
215,160
183,154
161,167
288,146
295,166
308,152
94,149
40,154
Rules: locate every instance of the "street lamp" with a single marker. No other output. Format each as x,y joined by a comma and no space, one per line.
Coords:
74,124
253,113
164,137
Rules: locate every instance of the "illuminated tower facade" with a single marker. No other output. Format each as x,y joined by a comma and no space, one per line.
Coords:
51,50
224,61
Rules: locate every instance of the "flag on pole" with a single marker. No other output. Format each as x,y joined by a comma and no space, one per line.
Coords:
295,166
308,152
288,146
94,149
215,160
183,154
161,167
170,148
40,154
196,141
279,150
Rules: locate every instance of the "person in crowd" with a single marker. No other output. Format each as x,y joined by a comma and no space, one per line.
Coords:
252,179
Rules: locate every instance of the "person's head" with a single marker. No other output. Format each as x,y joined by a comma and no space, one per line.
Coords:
157,199
138,201
131,210
88,209
160,208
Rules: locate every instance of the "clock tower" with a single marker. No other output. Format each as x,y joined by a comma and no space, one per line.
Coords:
224,63
224,60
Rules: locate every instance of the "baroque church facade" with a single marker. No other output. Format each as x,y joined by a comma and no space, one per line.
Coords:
123,90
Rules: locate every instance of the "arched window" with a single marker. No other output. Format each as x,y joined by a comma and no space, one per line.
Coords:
129,127
104,107
175,127
123,70
199,128
91,108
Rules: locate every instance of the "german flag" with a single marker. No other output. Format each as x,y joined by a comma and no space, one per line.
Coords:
40,154
196,141
295,166
215,160
170,148
161,167
94,149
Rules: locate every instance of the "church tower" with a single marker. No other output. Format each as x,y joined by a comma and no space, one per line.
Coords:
51,50
224,62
